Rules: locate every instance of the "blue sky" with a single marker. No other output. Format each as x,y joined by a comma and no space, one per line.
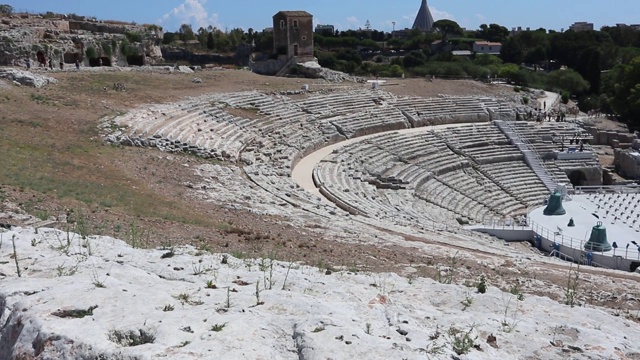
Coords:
347,14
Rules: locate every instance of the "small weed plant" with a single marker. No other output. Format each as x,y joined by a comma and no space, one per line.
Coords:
467,302
571,290
462,341
481,285
15,256
510,314
447,276
218,327
257,294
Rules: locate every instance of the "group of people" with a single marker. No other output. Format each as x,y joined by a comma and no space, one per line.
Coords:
542,116
575,140
43,63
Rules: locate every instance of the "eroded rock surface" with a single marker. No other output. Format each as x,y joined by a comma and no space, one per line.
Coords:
96,297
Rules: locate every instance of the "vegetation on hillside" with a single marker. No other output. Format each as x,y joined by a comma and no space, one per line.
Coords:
600,69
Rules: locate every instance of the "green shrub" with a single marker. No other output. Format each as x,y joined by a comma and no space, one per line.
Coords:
127,49
133,36
91,52
565,97
168,38
107,49
482,285
393,71
6,9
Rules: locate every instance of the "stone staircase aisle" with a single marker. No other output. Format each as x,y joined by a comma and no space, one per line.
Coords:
531,157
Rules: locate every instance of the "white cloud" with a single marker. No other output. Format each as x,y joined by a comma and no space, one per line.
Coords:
354,23
481,17
191,12
439,15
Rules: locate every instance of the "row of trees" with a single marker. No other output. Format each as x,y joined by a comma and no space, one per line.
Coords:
6,9
216,40
601,68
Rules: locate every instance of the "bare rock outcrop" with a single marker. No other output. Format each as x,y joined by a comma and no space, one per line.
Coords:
70,296
27,78
86,40
312,69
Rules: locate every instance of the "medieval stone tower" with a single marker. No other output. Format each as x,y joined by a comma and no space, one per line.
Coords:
424,20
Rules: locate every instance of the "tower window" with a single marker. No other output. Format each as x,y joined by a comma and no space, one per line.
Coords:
281,24
295,24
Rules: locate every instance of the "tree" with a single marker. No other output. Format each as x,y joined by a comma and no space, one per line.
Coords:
168,38
447,27
185,33
513,73
624,91
414,59
511,51
568,80
591,69
492,32
535,55
6,9
487,60
211,43
202,36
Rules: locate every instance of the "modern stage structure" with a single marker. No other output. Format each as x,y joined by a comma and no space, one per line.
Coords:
600,226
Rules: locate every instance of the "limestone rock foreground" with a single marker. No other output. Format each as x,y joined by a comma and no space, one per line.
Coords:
27,78
96,297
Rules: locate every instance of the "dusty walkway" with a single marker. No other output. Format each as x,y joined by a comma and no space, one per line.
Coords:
549,101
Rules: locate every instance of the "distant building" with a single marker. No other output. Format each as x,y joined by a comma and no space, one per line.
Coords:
487,47
424,20
517,30
461,53
320,29
439,47
581,26
293,34
635,27
401,34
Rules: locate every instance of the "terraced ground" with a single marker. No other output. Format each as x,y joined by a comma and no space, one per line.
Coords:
238,196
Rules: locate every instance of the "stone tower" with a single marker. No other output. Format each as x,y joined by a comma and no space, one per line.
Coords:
424,20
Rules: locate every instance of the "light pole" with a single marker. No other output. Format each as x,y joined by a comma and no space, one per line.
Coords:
394,27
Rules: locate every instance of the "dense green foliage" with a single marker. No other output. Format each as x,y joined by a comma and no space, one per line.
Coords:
601,69
91,52
133,36
6,9
107,48
218,41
